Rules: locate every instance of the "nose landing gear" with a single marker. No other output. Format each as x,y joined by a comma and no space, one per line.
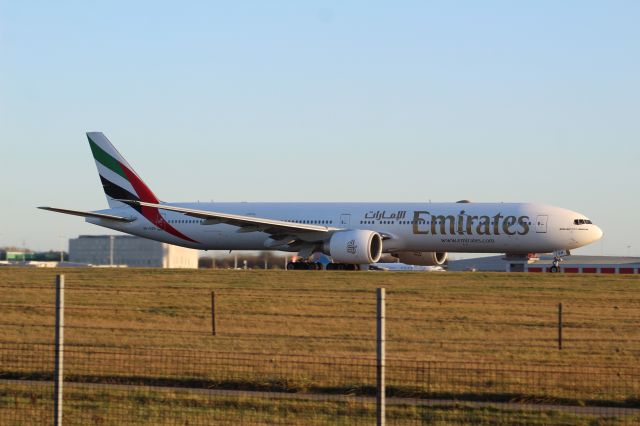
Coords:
555,267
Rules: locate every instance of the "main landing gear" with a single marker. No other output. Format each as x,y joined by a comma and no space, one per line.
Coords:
317,266
304,266
342,267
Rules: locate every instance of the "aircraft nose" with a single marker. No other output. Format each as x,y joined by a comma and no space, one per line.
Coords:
597,233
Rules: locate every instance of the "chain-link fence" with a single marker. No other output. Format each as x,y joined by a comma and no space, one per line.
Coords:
148,353
163,386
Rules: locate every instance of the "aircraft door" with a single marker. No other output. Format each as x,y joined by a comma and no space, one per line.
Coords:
541,224
345,219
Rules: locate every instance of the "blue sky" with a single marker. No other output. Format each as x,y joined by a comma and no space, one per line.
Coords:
323,101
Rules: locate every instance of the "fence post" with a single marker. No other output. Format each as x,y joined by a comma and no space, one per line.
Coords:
213,313
560,326
380,358
59,352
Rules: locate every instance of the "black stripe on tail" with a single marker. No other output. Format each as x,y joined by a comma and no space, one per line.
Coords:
116,192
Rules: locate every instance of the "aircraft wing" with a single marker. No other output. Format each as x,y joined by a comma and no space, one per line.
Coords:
276,228
89,214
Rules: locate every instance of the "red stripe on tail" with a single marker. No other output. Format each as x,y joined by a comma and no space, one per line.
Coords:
151,213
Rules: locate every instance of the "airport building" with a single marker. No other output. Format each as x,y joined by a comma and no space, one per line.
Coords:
569,264
127,250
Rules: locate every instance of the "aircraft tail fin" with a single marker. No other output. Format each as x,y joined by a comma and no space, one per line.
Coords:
119,180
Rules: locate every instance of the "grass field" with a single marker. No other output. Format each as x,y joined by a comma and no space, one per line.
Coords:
86,405
314,332
467,317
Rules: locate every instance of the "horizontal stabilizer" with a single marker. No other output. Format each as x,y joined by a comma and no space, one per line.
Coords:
90,214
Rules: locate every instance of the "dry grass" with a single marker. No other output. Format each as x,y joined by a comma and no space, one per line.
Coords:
506,318
153,327
110,405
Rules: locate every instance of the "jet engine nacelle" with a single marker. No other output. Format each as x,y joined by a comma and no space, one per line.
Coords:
423,258
357,246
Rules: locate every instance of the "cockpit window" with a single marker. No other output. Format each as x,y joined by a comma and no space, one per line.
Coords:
582,222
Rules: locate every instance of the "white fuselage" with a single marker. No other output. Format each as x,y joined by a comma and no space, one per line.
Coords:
426,227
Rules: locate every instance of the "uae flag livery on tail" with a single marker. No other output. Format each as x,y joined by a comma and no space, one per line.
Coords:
121,182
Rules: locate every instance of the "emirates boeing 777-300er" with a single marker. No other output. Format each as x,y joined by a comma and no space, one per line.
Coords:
349,233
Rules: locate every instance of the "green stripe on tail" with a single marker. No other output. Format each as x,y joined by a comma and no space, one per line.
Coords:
102,157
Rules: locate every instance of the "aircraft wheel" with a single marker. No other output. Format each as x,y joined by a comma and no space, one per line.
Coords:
303,266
